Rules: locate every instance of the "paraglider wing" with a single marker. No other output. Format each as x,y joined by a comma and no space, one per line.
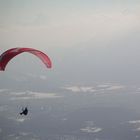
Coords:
9,54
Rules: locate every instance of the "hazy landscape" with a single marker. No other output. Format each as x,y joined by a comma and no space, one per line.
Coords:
92,91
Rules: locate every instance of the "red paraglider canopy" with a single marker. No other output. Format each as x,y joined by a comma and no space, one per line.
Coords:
9,54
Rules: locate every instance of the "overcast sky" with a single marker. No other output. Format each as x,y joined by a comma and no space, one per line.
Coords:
100,35
57,23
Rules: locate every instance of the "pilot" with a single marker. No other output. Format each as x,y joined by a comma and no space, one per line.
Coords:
24,111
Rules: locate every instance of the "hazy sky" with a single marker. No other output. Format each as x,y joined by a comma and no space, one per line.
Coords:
94,46
57,23
90,35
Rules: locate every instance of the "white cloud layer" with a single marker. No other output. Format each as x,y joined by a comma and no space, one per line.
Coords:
19,119
135,122
91,129
32,95
2,90
95,88
80,89
136,125
115,87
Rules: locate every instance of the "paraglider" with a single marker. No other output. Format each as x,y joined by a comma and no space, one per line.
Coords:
9,54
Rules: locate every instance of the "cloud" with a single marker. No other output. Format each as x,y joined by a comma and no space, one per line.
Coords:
115,87
64,119
136,124
19,93
103,85
110,86
91,129
31,75
19,119
33,95
2,90
42,77
137,129
22,135
83,89
95,89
